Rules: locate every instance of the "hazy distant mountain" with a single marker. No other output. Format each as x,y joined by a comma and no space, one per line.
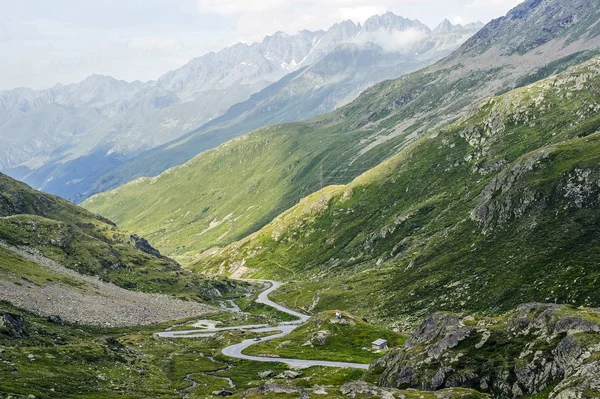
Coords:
329,83
63,139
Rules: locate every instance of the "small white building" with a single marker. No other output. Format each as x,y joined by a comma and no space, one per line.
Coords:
380,344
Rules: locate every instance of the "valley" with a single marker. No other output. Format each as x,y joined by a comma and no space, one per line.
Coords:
209,362
376,210
223,195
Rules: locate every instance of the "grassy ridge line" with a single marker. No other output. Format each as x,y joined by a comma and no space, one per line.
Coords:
92,245
223,195
494,211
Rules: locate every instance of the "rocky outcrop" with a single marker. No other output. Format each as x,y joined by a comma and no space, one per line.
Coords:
360,390
143,245
522,353
55,319
12,325
266,374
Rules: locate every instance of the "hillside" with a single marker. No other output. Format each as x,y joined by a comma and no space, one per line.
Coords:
324,336
534,351
223,195
40,285
496,210
58,258
332,81
65,138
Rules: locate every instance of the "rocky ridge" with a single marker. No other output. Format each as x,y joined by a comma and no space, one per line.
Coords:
535,348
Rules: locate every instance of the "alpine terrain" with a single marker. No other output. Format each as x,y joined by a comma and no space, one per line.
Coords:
379,210
64,140
223,195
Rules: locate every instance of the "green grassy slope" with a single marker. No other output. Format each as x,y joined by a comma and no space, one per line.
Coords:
15,268
91,245
497,210
325,337
223,195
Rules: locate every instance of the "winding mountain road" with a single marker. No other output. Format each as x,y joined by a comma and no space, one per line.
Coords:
282,330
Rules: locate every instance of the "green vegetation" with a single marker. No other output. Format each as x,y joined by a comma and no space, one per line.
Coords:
324,337
90,245
225,194
494,211
74,361
338,290
491,354
15,268
88,362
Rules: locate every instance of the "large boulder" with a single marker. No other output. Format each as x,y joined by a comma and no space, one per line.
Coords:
12,325
266,374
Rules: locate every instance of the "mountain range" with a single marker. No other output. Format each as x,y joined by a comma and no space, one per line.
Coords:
226,194
64,140
442,226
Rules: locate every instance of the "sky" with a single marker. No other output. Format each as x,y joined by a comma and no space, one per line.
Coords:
45,42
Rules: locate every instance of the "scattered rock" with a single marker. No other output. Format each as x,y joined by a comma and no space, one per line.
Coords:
277,388
320,390
283,344
222,392
290,374
362,389
112,341
320,337
55,319
266,374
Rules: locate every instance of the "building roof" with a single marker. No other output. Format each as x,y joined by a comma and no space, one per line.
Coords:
380,341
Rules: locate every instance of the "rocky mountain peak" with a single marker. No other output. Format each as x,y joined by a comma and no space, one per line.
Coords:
446,27
519,31
390,21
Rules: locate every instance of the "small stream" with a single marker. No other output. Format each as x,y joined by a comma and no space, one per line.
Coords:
194,384
232,306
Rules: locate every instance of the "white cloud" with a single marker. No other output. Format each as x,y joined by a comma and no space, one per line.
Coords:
360,13
393,41
228,7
